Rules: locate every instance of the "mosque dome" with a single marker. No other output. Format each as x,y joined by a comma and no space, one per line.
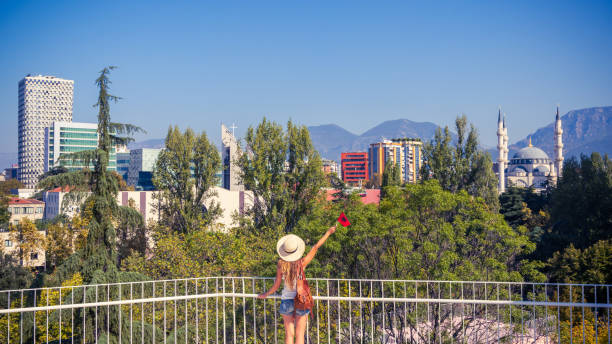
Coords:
530,153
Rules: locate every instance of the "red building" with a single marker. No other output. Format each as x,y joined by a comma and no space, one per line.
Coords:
354,167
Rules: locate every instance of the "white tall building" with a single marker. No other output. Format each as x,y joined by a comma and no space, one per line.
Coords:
42,100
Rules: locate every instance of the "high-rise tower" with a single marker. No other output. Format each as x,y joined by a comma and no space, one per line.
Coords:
558,145
502,148
42,100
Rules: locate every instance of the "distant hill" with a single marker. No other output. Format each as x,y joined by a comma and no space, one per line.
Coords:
331,140
584,131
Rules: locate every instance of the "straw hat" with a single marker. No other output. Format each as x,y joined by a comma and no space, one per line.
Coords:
290,247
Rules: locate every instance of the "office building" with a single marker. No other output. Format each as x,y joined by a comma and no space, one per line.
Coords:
63,138
42,100
404,153
123,162
354,167
142,164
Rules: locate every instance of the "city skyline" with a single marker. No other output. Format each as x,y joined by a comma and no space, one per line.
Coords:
352,65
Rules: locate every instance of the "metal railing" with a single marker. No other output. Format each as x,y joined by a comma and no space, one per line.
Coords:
226,310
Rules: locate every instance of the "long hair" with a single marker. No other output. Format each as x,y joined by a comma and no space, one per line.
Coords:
290,271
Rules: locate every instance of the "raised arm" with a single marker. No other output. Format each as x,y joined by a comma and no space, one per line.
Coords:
313,250
277,282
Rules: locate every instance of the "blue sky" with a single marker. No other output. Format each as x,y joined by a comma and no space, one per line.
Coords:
351,63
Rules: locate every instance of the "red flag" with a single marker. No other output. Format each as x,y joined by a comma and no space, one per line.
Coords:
343,220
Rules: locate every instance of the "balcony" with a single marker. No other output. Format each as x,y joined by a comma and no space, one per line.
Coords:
226,310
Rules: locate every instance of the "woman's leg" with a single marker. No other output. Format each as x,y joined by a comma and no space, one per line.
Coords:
289,320
300,328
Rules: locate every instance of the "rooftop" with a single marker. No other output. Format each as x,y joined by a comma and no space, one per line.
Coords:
16,201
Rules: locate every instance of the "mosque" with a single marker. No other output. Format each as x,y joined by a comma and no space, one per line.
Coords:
530,166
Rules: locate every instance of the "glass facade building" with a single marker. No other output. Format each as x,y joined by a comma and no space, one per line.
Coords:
142,164
62,138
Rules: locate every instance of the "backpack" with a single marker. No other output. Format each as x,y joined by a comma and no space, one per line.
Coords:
303,297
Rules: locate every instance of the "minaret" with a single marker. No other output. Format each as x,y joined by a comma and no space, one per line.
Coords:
558,145
505,142
501,140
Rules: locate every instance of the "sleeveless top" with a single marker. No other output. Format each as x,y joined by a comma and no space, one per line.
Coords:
288,292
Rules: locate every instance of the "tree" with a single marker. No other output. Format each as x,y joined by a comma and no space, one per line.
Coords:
283,170
197,254
97,261
5,189
99,256
131,231
13,275
580,205
525,207
7,185
591,265
463,167
391,176
185,173
421,232
60,244
29,240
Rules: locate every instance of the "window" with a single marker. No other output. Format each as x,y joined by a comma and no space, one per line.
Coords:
29,210
33,256
8,243
16,222
39,210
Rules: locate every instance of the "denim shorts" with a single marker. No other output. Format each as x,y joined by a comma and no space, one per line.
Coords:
286,308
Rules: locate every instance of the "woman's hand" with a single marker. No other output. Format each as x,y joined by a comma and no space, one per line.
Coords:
262,296
331,230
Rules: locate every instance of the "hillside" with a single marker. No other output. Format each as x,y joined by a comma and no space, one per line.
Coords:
584,131
331,140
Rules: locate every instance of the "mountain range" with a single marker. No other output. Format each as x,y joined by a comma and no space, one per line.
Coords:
584,131
331,140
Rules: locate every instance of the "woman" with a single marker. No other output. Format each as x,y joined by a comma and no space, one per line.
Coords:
290,248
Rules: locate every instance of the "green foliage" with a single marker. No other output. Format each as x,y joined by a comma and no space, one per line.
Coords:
60,243
5,190
420,232
463,167
524,207
97,262
185,173
590,265
283,170
580,205
392,176
12,275
28,240
131,232
197,254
